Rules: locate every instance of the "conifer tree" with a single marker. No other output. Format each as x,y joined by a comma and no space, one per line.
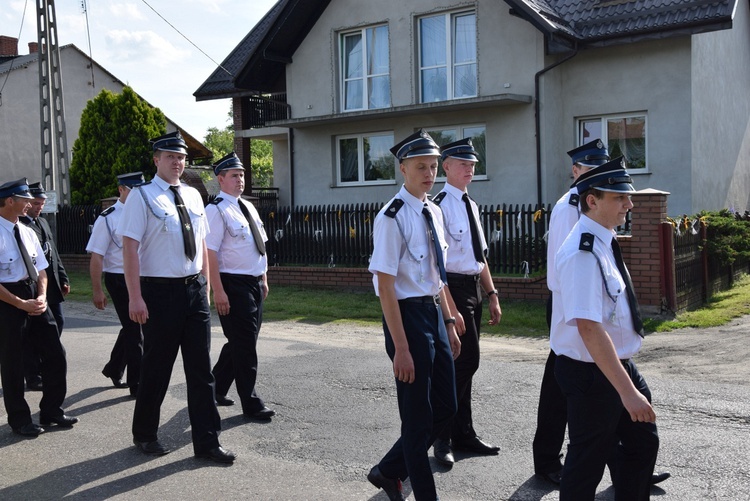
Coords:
112,140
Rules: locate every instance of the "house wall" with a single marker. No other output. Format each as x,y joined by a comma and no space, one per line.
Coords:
721,116
651,77
313,90
672,80
20,150
19,121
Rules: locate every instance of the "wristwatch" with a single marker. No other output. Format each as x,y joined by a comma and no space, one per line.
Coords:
493,291
450,320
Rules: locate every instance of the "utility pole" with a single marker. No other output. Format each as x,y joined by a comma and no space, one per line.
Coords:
54,141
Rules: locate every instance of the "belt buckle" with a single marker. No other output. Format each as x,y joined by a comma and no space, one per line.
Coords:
436,300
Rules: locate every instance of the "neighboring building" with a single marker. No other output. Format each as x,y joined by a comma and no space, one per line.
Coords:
82,80
334,83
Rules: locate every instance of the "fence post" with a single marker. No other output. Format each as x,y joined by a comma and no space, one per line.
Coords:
668,280
642,250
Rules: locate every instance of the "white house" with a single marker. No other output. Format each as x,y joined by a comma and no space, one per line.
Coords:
335,83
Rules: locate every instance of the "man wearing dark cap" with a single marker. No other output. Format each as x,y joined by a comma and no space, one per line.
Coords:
551,413
105,247
25,314
467,270
596,330
238,264
163,228
58,285
420,337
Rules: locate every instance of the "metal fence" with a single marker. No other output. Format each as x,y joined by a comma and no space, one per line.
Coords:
697,275
74,227
341,235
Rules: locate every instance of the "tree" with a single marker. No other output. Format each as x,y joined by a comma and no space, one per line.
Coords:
261,158
113,139
219,141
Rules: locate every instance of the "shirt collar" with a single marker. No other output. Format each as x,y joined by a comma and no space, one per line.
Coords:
227,196
162,183
602,233
412,201
452,190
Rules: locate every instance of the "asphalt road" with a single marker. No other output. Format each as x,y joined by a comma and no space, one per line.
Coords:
334,395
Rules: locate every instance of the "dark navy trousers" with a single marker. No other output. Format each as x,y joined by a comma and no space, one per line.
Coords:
468,301
598,424
428,404
179,319
128,348
19,330
238,360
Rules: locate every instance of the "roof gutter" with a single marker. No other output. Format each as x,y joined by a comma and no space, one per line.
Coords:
537,121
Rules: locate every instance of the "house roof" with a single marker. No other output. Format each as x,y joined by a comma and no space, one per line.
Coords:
196,149
582,23
258,63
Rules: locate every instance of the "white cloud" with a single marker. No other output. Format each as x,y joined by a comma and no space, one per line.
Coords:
126,11
144,47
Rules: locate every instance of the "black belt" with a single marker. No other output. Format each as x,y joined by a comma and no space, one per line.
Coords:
422,300
25,281
623,361
259,278
460,278
168,280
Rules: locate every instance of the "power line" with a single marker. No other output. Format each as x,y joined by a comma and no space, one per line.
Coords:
186,38
88,37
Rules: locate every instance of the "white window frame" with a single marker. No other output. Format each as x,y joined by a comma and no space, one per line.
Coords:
604,135
450,48
361,159
460,134
365,77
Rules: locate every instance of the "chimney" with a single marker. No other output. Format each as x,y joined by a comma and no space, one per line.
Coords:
33,47
8,46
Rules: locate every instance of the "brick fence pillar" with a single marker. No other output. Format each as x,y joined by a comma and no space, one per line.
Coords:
642,250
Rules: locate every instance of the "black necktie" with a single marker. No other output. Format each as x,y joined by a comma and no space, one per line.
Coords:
436,243
259,243
635,311
476,241
188,239
30,269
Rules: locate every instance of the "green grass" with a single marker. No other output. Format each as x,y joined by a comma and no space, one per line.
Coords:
520,318
721,308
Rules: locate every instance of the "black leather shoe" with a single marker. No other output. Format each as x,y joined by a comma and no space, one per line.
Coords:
218,454
476,445
61,421
660,477
223,401
151,448
29,430
553,477
443,453
118,383
34,386
391,486
264,414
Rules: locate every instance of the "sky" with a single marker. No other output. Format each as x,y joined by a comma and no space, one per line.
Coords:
137,46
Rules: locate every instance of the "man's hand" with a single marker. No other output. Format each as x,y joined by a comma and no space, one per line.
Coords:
99,299
403,366
454,341
495,312
34,307
639,409
221,300
65,289
138,310
460,324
